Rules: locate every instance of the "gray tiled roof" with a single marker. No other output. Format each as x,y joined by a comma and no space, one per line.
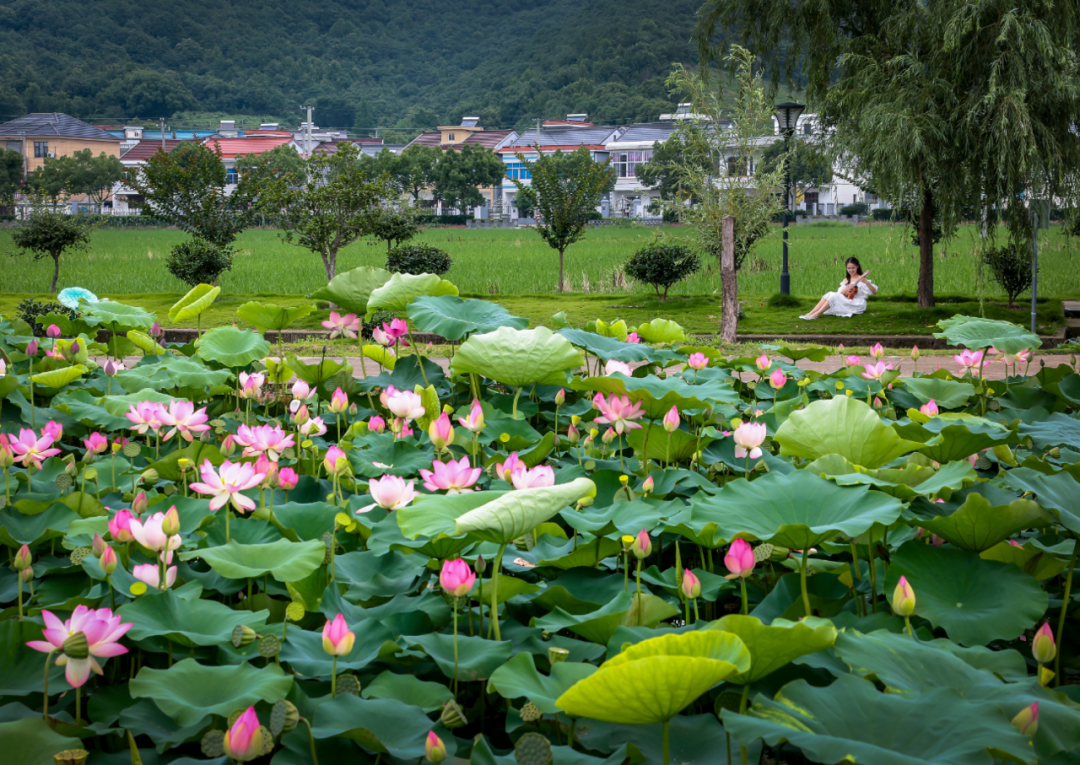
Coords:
648,131
566,135
54,123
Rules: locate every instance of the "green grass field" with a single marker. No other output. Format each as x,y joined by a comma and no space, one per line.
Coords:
515,268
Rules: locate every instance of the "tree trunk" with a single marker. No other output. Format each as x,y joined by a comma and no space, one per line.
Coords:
330,262
729,286
562,284
55,273
926,251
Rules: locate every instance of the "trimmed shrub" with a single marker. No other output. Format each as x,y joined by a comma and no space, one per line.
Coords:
860,208
883,213
28,310
418,259
199,262
1011,268
443,220
662,264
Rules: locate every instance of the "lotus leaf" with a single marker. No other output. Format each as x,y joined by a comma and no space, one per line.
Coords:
350,291
953,435
598,626
812,352
317,372
187,621
978,524
608,348
477,657
904,483
1056,430
516,357
284,560
188,691
947,394
658,396
58,378
381,725
409,690
119,317
384,357
842,426
973,332
661,331
266,317
232,347
453,318
775,644
1056,493
656,679
32,741
402,289
510,516
304,653
198,299
519,678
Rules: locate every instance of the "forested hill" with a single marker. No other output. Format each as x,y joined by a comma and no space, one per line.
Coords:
359,62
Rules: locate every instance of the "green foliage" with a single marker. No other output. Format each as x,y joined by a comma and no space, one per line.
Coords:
198,261
665,171
807,165
859,208
280,163
395,225
662,263
51,233
418,259
29,310
11,173
79,173
457,176
1010,266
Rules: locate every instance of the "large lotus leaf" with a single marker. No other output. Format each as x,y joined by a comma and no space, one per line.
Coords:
797,510
955,435
654,680
451,317
973,332
608,348
661,331
402,289
677,447
477,657
813,352
232,347
284,560
145,343
843,426
1056,430
519,512
188,621
851,721
198,299
58,378
947,394
317,372
598,626
658,396
773,645
119,317
392,458
351,290
266,316
17,529
22,669
1028,558
432,515
119,405
382,356
191,373
408,689
974,600
516,357
1057,493
32,741
385,726
978,524
303,650
519,678
904,483
188,691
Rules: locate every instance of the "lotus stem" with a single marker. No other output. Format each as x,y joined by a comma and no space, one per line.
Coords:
666,743
45,690
226,509
495,592
873,577
907,626
78,703
697,617
311,739
856,576
480,605
420,363
20,597
333,678
7,488
687,602
455,609
625,568
802,581
1064,609
638,587
573,725
517,393
742,711
33,414
746,602
112,594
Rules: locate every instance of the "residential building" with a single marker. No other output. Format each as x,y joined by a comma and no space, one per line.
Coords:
633,147
52,134
135,154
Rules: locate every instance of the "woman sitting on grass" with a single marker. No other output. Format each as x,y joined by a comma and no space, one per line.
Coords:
850,299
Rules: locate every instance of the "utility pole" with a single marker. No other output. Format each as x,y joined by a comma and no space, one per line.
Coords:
307,133
162,133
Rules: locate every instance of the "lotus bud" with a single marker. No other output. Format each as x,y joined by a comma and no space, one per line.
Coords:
1043,647
573,435
244,740
671,420
441,431
560,397
642,545
903,602
740,559
339,402
7,457
140,504
691,585
697,361
32,348
1027,719
108,560
914,353
97,545
337,639
156,330
480,565
434,748
609,436
70,468
27,574
23,558
53,331
170,524
353,409
877,352
648,486
456,578
149,477
557,655
777,379
376,424
77,646
228,446
301,416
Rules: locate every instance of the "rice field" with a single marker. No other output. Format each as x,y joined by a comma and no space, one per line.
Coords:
517,261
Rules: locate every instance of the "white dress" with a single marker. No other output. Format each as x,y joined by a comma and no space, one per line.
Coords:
841,306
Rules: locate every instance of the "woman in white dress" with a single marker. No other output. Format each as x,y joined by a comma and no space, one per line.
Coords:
850,299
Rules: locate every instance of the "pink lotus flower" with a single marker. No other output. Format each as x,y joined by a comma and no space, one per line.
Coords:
287,479
347,326
633,337
151,534
108,560
313,427
453,477
53,430
763,362
434,748
777,379
396,330
875,371
270,440
697,361
853,361
456,578
749,437
474,422
691,585
739,559
268,469
508,466
903,600
32,449
405,404
376,424
538,477
251,384
144,416
613,366
96,443
301,391
969,361
53,331
23,558
225,484
243,741
337,640
877,352
150,574
183,419
642,545
390,492
1043,647
441,431
648,485
380,337
930,408
618,412
671,420
102,630
335,461
339,402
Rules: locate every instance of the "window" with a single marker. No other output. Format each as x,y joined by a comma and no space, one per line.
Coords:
517,171
41,148
807,128
15,146
231,176
811,197
737,166
450,137
626,162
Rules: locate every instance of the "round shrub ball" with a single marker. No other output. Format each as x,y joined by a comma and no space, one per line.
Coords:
418,259
198,261
662,264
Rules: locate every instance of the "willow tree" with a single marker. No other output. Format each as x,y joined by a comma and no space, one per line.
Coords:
943,106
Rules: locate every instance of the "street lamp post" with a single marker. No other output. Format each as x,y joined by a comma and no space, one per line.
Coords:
787,116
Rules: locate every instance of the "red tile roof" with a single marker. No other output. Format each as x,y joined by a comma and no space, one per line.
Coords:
146,148
487,138
545,147
231,148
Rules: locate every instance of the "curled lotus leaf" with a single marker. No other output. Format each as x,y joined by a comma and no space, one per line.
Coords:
198,299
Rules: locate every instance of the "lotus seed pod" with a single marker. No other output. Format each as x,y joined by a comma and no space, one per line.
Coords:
763,552
452,715
76,646
149,477
348,684
78,554
779,553
557,655
533,749
71,757
284,716
729,700
294,612
269,646
132,449
530,712
90,474
63,481
234,717
243,635
267,741
213,744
